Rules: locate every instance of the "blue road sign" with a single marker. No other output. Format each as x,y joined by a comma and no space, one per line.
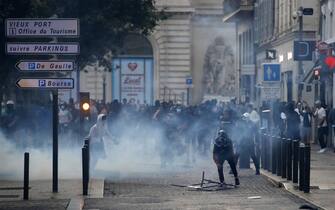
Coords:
41,83
31,66
271,72
303,50
189,81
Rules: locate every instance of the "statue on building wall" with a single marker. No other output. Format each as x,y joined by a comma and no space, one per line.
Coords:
219,74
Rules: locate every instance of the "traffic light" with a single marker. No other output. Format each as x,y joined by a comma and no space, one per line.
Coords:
330,61
84,104
317,74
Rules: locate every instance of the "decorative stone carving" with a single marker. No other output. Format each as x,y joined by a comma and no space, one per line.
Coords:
219,75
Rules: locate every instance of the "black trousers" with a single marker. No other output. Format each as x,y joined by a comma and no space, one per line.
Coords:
249,150
219,160
322,132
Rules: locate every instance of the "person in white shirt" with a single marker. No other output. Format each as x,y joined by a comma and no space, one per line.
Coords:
321,123
96,137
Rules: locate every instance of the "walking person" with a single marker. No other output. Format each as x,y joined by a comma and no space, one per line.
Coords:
306,115
321,123
97,134
247,142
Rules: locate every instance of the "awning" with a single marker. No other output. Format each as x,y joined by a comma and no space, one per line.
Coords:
227,17
330,41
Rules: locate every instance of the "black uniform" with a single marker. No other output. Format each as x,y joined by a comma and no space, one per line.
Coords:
223,150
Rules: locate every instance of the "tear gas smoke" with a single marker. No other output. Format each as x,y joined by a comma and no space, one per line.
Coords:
139,146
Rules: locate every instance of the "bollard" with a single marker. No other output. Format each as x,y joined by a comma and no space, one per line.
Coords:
284,158
301,167
289,159
267,153
307,169
279,157
87,145
258,149
263,151
295,160
85,170
26,177
274,155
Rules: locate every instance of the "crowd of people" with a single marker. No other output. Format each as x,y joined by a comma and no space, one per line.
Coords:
187,132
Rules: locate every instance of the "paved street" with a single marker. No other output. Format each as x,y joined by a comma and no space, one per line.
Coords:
322,179
152,191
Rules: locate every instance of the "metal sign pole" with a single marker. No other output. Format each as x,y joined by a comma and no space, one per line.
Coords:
300,67
55,141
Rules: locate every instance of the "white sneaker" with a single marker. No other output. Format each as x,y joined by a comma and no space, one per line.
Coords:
322,150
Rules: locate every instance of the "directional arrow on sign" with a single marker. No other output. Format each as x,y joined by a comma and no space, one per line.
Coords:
46,83
59,65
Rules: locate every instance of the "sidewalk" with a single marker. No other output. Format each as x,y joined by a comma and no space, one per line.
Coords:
41,196
322,184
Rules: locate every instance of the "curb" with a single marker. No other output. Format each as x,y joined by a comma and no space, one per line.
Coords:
95,190
289,187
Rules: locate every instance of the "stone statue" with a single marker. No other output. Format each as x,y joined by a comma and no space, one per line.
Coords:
219,69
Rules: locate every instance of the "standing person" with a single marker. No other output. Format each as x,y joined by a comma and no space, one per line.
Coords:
331,120
223,150
247,142
306,114
321,123
96,136
10,121
64,121
292,122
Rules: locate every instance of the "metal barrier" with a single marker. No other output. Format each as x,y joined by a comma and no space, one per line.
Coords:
86,166
286,158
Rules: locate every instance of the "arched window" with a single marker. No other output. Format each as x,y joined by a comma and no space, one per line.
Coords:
136,45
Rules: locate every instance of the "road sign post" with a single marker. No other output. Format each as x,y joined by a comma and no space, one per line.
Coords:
24,27
55,141
189,83
271,72
51,27
25,48
51,66
270,88
46,83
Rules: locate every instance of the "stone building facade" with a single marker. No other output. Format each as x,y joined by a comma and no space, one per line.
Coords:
275,28
181,45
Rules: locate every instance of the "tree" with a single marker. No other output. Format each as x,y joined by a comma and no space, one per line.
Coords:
103,24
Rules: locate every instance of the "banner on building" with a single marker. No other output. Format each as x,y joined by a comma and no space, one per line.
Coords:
133,80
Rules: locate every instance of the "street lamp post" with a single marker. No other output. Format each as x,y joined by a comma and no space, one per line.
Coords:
300,68
104,87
